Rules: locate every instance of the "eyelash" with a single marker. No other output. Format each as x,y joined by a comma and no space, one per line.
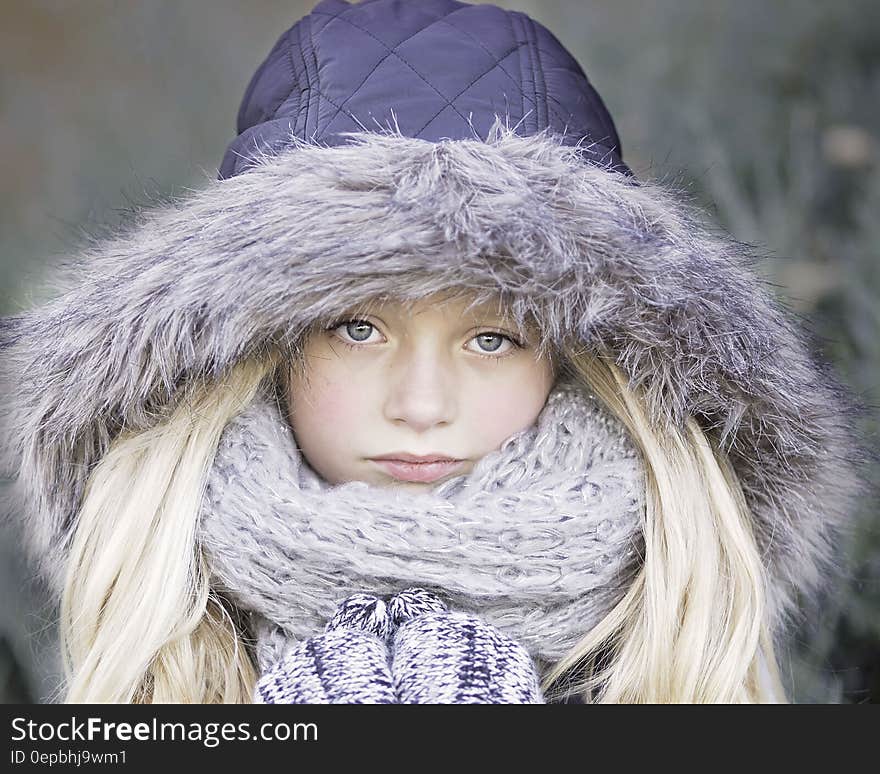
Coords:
516,344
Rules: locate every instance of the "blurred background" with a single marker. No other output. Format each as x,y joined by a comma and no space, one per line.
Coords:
765,113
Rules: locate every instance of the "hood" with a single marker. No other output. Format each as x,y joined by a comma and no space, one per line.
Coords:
309,229
431,69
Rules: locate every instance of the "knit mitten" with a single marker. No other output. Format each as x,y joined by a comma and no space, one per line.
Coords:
347,664
443,657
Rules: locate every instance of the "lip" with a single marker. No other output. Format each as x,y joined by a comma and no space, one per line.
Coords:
406,457
410,467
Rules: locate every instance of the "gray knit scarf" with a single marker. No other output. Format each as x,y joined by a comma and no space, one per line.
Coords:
540,538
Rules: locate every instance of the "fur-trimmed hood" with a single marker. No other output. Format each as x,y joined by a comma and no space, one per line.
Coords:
251,261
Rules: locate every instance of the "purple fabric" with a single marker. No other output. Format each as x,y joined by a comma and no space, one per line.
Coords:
433,69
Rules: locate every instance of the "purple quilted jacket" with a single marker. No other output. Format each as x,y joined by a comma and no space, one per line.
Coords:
433,69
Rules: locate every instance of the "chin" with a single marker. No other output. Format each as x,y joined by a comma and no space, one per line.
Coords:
415,487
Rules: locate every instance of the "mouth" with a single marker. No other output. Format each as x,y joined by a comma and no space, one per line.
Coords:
432,469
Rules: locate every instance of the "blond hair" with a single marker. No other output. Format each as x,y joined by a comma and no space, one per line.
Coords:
141,623
692,626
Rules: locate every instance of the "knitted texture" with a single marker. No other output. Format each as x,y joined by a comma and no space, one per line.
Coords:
411,651
347,664
455,658
538,539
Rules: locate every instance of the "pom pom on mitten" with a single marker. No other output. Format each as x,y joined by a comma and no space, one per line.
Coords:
410,603
443,657
362,612
347,664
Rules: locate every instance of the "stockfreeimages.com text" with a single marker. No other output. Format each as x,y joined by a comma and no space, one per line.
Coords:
210,734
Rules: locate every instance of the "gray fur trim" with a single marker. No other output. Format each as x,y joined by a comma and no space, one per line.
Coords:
251,261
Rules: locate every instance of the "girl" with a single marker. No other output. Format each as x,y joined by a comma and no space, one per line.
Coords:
424,242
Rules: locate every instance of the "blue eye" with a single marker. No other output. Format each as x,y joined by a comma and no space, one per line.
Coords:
490,342
355,331
359,330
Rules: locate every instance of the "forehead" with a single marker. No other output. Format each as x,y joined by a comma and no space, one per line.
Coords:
455,305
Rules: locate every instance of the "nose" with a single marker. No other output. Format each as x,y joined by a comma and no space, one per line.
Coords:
421,390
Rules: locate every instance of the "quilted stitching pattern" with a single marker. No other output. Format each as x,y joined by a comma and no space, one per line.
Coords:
432,69
389,52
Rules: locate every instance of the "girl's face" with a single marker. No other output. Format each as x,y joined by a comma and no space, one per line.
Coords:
424,379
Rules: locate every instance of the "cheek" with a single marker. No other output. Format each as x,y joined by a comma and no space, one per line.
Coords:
505,414
325,412
328,404
508,405
323,404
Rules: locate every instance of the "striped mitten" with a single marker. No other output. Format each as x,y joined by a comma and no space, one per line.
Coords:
347,664
443,657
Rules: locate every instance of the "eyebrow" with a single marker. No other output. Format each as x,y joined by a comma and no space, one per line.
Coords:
375,307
